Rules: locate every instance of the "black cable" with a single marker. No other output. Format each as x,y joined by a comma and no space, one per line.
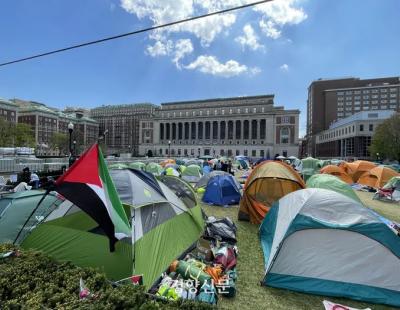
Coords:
132,33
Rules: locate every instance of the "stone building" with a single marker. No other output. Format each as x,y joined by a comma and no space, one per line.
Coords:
121,124
250,126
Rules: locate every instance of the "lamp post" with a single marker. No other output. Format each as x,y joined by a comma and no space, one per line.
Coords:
377,156
70,130
74,148
169,148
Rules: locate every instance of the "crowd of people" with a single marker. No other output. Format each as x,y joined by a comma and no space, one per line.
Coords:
224,166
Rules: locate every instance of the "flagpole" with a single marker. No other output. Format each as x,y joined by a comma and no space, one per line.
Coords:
33,211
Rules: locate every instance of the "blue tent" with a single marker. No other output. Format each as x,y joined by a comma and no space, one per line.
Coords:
221,190
206,169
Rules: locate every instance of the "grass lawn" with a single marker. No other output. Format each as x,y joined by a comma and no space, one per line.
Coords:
250,295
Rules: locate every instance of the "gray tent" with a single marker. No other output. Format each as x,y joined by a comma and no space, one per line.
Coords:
205,178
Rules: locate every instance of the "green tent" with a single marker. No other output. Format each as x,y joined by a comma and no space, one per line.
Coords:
322,163
310,167
333,183
171,171
192,174
137,165
392,183
15,209
118,166
163,227
154,168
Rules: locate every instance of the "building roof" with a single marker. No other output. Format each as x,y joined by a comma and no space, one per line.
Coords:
362,116
129,105
219,99
8,102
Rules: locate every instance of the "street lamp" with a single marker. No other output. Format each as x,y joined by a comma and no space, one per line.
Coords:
70,130
74,147
169,148
377,156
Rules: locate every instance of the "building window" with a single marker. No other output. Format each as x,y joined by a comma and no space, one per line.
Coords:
237,152
208,112
356,92
247,110
339,93
384,90
193,131
245,129
201,113
254,110
222,111
392,106
230,111
238,130
186,131
284,135
361,127
208,130
222,130
393,95
262,129
246,152
254,129
371,127
215,112
230,129
253,153
238,110
215,130
262,109
200,131
384,107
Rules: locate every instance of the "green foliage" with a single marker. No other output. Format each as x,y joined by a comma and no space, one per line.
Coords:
35,281
14,135
24,136
386,139
61,141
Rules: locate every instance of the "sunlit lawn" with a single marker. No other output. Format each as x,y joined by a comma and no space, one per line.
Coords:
250,295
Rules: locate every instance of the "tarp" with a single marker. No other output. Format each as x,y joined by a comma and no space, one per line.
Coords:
338,172
267,183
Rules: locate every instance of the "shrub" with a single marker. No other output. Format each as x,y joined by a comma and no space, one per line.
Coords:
33,280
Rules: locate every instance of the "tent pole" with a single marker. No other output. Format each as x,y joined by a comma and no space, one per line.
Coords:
33,211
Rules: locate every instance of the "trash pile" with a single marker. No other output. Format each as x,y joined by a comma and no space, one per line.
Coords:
206,272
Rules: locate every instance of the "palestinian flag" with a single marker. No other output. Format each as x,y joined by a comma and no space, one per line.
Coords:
88,185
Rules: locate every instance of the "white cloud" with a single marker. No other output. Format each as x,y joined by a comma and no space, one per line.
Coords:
284,67
279,13
160,48
182,47
269,28
210,65
176,42
249,39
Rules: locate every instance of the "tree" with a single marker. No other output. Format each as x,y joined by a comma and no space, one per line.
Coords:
61,141
386,139
23,135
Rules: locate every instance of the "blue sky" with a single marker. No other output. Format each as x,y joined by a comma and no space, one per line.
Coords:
277,48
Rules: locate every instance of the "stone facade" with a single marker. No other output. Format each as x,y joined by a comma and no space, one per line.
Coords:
250,126
121,124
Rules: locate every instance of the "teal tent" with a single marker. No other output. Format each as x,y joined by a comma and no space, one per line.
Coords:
318,241
15,209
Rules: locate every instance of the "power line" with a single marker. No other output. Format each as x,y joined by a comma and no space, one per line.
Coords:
132,33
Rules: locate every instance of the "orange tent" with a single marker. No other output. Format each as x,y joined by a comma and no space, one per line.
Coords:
377,177
167,161
267,183
338,172
357,168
